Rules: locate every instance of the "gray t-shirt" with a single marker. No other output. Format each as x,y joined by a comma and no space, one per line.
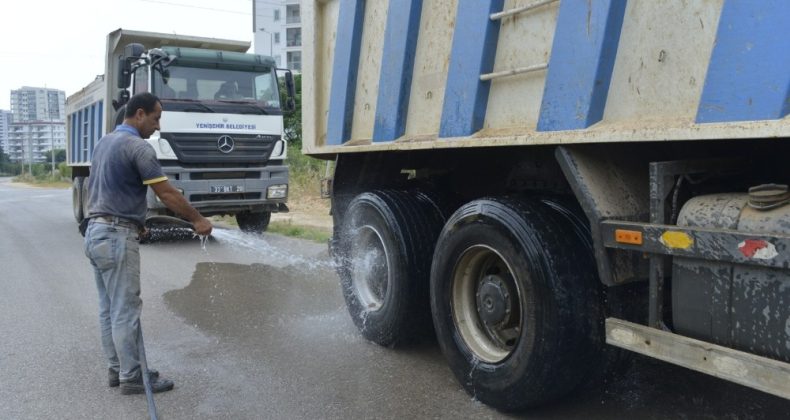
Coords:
122,167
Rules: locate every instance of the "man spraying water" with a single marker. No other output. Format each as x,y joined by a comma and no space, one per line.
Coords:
122,169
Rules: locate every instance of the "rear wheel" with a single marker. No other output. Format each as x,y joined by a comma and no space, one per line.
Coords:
76,198
384,253
85,196
253,222
516,302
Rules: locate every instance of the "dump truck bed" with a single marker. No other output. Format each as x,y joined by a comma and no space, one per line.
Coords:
448,74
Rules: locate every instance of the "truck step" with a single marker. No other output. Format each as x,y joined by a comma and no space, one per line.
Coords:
761,373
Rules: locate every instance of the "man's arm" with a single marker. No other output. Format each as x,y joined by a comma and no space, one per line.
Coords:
176,202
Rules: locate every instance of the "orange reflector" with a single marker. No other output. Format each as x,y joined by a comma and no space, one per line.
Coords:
633,237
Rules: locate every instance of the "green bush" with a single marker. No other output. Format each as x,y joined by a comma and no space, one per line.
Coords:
65,170
305,172
42,174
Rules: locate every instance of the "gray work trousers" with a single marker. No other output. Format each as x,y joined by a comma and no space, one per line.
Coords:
114,253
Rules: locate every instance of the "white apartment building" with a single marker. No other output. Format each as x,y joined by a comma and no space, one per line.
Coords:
30,141
38,123
5,123
38,104
277,25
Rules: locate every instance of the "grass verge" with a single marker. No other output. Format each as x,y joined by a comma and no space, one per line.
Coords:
301,232
45,181
310,233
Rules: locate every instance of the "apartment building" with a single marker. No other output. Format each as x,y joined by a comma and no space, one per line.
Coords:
38,123
38,104
5,123
277,28
30,141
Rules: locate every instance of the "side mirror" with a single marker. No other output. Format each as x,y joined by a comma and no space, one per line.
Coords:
124,73
290,104
131,52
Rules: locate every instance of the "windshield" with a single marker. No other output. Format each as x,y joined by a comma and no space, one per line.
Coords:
218,86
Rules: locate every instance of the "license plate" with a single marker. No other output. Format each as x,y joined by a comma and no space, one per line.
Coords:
227,188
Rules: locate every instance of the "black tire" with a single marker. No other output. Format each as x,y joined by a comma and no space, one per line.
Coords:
516,301
385,243
76,198
253,222
85,196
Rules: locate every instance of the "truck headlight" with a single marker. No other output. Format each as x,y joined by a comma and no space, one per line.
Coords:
279,150
164,147
277,191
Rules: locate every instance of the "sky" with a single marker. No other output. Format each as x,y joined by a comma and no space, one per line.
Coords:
60,44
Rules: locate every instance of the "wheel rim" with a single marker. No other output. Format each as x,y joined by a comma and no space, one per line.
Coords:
369,268
487,308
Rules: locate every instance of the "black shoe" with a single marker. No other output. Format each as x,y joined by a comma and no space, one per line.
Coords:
112,376
136,386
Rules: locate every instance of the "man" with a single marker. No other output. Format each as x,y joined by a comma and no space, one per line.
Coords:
122,169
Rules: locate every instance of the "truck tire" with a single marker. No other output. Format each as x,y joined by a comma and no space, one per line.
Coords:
516,302
253,222
76,198
385,243
85,196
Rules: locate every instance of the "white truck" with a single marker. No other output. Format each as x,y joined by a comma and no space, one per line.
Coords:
545,182
221,140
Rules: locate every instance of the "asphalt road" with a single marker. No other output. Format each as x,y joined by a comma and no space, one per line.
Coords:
255,328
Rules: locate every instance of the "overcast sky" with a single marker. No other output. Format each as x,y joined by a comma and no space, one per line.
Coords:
60,44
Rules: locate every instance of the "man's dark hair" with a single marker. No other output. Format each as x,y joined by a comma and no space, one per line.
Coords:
145,100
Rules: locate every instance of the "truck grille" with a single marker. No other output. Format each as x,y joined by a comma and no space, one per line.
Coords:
204,148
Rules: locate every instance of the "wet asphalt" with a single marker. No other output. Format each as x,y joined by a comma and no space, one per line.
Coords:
256,328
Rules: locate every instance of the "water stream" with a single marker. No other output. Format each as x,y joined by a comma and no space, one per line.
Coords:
261,245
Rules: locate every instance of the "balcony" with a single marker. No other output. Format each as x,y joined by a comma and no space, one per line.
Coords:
293,37
293,14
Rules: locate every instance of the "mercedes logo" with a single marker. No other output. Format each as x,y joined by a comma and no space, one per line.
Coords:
225,144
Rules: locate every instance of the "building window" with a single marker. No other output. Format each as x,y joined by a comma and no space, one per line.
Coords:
278,60
292,14
295,60
293,37
276,37
276,15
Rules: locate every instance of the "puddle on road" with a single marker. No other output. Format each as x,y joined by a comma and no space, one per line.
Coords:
233,300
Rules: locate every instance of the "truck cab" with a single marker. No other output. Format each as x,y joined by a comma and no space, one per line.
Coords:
221,141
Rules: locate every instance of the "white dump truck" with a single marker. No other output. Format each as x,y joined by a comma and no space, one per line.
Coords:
221,140
543,183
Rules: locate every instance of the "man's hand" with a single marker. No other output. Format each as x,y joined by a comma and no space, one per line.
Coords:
203,226
176,202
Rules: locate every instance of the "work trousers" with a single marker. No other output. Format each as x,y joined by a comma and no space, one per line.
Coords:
114,253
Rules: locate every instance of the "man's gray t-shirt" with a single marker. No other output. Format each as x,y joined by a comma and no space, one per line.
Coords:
122,167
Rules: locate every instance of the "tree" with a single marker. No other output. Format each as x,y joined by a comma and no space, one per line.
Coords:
7,167
60,155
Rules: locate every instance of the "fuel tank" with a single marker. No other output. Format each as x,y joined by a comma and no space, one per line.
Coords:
744,307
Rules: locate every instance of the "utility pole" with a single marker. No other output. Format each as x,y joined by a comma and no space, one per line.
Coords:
271,43
29,151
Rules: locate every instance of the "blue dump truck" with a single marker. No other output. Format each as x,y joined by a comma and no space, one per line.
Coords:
221,142
552,185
